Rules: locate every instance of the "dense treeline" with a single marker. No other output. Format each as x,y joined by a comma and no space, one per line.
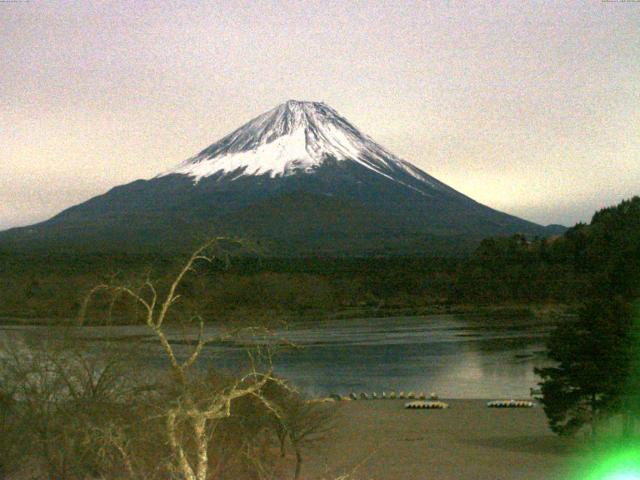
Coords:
520,270
53,286
503,270
562,269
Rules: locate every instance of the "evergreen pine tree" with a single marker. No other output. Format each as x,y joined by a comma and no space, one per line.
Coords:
592,360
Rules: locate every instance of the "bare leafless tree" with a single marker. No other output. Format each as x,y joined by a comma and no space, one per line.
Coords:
57,394
301,422
193,412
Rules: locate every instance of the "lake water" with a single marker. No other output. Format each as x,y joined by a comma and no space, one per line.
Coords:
455,356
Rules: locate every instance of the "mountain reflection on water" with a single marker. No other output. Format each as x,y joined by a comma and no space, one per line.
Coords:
455,356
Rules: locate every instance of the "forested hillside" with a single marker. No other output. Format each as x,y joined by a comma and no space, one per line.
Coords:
502,271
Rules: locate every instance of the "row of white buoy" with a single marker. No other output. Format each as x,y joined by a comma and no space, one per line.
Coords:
390,396
492,404
421,400
510,404
420,404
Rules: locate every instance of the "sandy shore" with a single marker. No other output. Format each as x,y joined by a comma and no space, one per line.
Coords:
384,441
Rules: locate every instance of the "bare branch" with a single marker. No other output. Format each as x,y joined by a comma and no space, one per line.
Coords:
171,295
199,345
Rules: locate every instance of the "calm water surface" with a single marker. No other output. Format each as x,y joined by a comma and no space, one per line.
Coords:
456,356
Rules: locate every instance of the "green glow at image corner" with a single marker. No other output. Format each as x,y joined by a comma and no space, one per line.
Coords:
623,464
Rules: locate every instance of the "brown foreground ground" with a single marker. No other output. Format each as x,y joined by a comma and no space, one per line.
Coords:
380,440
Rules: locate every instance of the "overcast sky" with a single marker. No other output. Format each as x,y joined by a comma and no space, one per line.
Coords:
530,107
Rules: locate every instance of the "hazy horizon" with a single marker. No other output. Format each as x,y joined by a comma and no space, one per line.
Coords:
531,108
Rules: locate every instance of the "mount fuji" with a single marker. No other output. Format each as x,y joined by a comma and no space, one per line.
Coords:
299,178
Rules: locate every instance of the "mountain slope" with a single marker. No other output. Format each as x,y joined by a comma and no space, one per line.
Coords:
299,177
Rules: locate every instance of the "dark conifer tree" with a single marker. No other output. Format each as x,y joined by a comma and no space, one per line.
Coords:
592,361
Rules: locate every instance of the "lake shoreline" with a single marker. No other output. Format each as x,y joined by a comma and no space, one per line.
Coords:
512,309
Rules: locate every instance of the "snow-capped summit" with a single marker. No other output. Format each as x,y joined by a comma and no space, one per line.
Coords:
293,137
